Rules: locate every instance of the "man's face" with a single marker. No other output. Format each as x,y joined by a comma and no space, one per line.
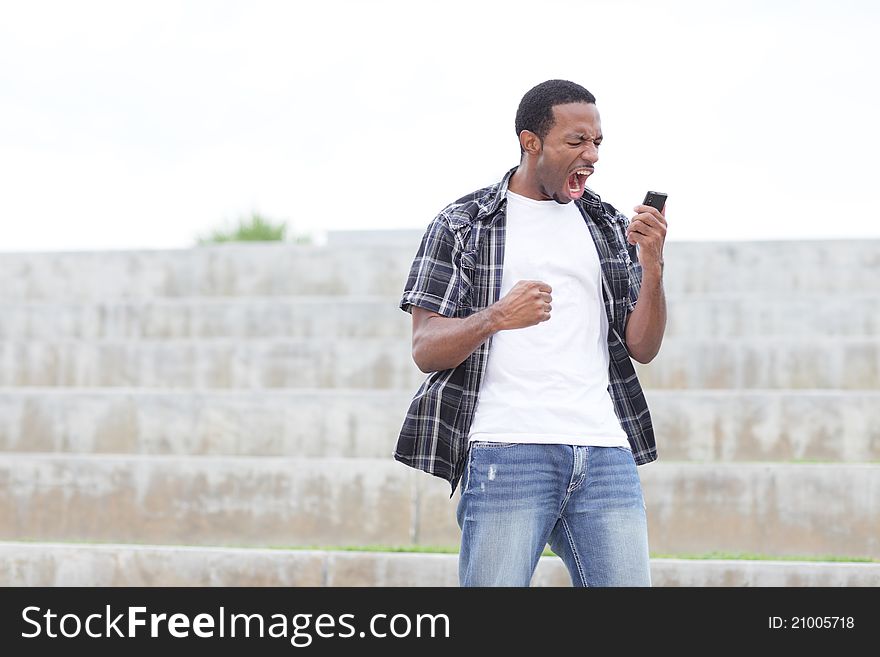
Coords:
569,152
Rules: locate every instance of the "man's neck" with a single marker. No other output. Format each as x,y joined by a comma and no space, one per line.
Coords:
521,183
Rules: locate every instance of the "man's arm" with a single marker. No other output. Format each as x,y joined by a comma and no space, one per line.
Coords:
647,322
442,343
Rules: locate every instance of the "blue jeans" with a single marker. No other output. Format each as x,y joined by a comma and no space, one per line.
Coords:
585,501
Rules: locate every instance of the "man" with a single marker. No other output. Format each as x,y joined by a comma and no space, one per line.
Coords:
528,299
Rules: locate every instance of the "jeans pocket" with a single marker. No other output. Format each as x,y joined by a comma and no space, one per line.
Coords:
480,452
488,444
627,452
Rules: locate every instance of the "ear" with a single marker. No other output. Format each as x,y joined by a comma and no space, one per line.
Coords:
530,142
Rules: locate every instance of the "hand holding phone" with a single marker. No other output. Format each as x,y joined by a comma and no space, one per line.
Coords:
656,200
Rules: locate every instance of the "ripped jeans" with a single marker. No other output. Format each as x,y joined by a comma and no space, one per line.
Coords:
586,502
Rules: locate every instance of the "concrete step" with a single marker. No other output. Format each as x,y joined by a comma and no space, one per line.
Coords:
60,564
699,316
767,425
273,422
233,317
691,425
845,363
772,267
788,316
764,268
379,238
215,363
213,500
783,509
254,269
839,363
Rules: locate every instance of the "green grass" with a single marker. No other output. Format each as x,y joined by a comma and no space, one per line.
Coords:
417,549
751,556
448,549
742,556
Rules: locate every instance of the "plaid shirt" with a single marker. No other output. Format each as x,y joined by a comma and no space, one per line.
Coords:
457,272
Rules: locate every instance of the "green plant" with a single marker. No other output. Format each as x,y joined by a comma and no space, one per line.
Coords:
255,228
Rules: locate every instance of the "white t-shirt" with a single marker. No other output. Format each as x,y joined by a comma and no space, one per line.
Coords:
548,383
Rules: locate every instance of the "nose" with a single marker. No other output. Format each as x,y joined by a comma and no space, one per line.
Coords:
590,153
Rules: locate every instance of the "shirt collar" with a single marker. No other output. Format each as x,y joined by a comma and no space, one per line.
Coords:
497,200
500,196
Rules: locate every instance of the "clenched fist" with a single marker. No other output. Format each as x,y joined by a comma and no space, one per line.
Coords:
527,304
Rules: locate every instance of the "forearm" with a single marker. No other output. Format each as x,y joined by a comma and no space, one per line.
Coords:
647,322
445,342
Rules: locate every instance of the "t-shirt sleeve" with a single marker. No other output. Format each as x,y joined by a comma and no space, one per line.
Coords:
433,278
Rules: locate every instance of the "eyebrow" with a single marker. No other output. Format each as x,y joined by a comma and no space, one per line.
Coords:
582,137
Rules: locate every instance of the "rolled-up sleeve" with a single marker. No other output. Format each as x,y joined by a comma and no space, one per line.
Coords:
433,281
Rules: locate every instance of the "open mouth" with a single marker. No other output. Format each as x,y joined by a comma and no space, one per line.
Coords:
577,181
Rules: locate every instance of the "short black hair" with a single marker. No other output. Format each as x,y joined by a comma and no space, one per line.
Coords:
535,111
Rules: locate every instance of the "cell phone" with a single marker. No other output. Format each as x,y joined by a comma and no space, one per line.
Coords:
655,200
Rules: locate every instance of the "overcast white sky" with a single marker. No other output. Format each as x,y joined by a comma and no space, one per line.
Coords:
145,124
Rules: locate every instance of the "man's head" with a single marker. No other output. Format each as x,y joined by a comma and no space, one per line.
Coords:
559,135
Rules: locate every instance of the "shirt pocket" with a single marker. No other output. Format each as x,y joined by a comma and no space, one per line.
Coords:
467,269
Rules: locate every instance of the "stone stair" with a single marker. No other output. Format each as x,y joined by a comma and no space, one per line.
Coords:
167,416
